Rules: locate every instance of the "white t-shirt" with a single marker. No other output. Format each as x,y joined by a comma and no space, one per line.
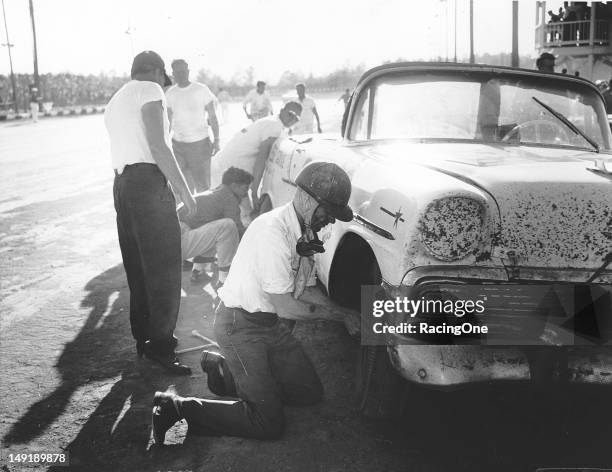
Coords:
266,261
189,117
241,151
259,102
123,120
306,123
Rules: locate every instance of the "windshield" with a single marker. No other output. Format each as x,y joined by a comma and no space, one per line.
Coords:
481,106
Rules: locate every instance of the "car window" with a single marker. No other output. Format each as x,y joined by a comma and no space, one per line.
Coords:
480,105
359,128
534,124
431,109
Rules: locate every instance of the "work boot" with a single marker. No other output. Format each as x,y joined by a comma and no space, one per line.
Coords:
168,361
165,414
220,379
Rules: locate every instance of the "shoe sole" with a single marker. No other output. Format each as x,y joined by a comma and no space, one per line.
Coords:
175,370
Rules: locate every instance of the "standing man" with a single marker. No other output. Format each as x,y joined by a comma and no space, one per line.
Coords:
249,148
258,102
216,227
149,233
309,110
224,100
345,97
189,103
34,100
268,365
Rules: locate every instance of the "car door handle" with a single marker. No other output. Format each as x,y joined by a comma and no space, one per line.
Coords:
300,150
287,181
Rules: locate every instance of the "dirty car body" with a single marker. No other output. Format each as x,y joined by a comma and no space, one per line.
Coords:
465,174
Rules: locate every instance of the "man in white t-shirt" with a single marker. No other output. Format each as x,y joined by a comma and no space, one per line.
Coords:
224,101
249,148
309,111
191,107
148,228
268,365
258,103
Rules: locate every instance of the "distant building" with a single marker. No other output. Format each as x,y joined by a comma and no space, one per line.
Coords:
580,41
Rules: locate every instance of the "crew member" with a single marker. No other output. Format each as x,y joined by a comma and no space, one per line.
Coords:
258,103
309,111
216,227
191,107
249,148
268,365
149,233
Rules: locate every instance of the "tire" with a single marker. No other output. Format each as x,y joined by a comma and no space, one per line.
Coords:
381,391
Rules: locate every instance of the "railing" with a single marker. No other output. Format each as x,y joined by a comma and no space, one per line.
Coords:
576,33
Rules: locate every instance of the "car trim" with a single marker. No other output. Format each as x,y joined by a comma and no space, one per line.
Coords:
290,182
475,274
373,227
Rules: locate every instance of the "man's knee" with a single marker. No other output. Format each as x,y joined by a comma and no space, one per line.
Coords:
228,228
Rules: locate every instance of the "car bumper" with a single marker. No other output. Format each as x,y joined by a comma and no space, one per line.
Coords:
453,366
447,366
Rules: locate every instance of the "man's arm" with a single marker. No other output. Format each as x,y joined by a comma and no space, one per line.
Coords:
260,165
316,114
247,100
170,117
314,305
214,124
152,116
231,209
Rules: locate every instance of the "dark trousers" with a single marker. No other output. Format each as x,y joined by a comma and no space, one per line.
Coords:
270,369
150,241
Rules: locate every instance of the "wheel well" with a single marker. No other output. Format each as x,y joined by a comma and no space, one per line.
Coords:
354,265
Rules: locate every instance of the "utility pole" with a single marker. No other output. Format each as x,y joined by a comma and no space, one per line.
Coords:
36,77
455,29
8,47
515,54
472,59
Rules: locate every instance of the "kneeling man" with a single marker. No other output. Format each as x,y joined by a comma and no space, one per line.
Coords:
267,363
216,226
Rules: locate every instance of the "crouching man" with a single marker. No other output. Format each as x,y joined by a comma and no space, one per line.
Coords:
216,226
265,282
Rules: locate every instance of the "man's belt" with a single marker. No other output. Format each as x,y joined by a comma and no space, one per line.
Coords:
262,318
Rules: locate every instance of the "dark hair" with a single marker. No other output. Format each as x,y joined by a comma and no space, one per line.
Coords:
233,175
293,106
260,82
543,57
177,62
300,84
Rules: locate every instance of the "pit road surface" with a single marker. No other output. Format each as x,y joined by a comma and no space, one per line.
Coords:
70,380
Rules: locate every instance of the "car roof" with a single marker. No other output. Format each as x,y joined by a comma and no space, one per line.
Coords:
463,67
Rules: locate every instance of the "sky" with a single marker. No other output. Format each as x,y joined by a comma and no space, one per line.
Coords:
273,36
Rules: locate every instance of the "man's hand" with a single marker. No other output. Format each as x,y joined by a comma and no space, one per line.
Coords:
215,147
191,207
352,322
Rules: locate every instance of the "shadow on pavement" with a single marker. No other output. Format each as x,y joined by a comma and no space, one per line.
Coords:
101,356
